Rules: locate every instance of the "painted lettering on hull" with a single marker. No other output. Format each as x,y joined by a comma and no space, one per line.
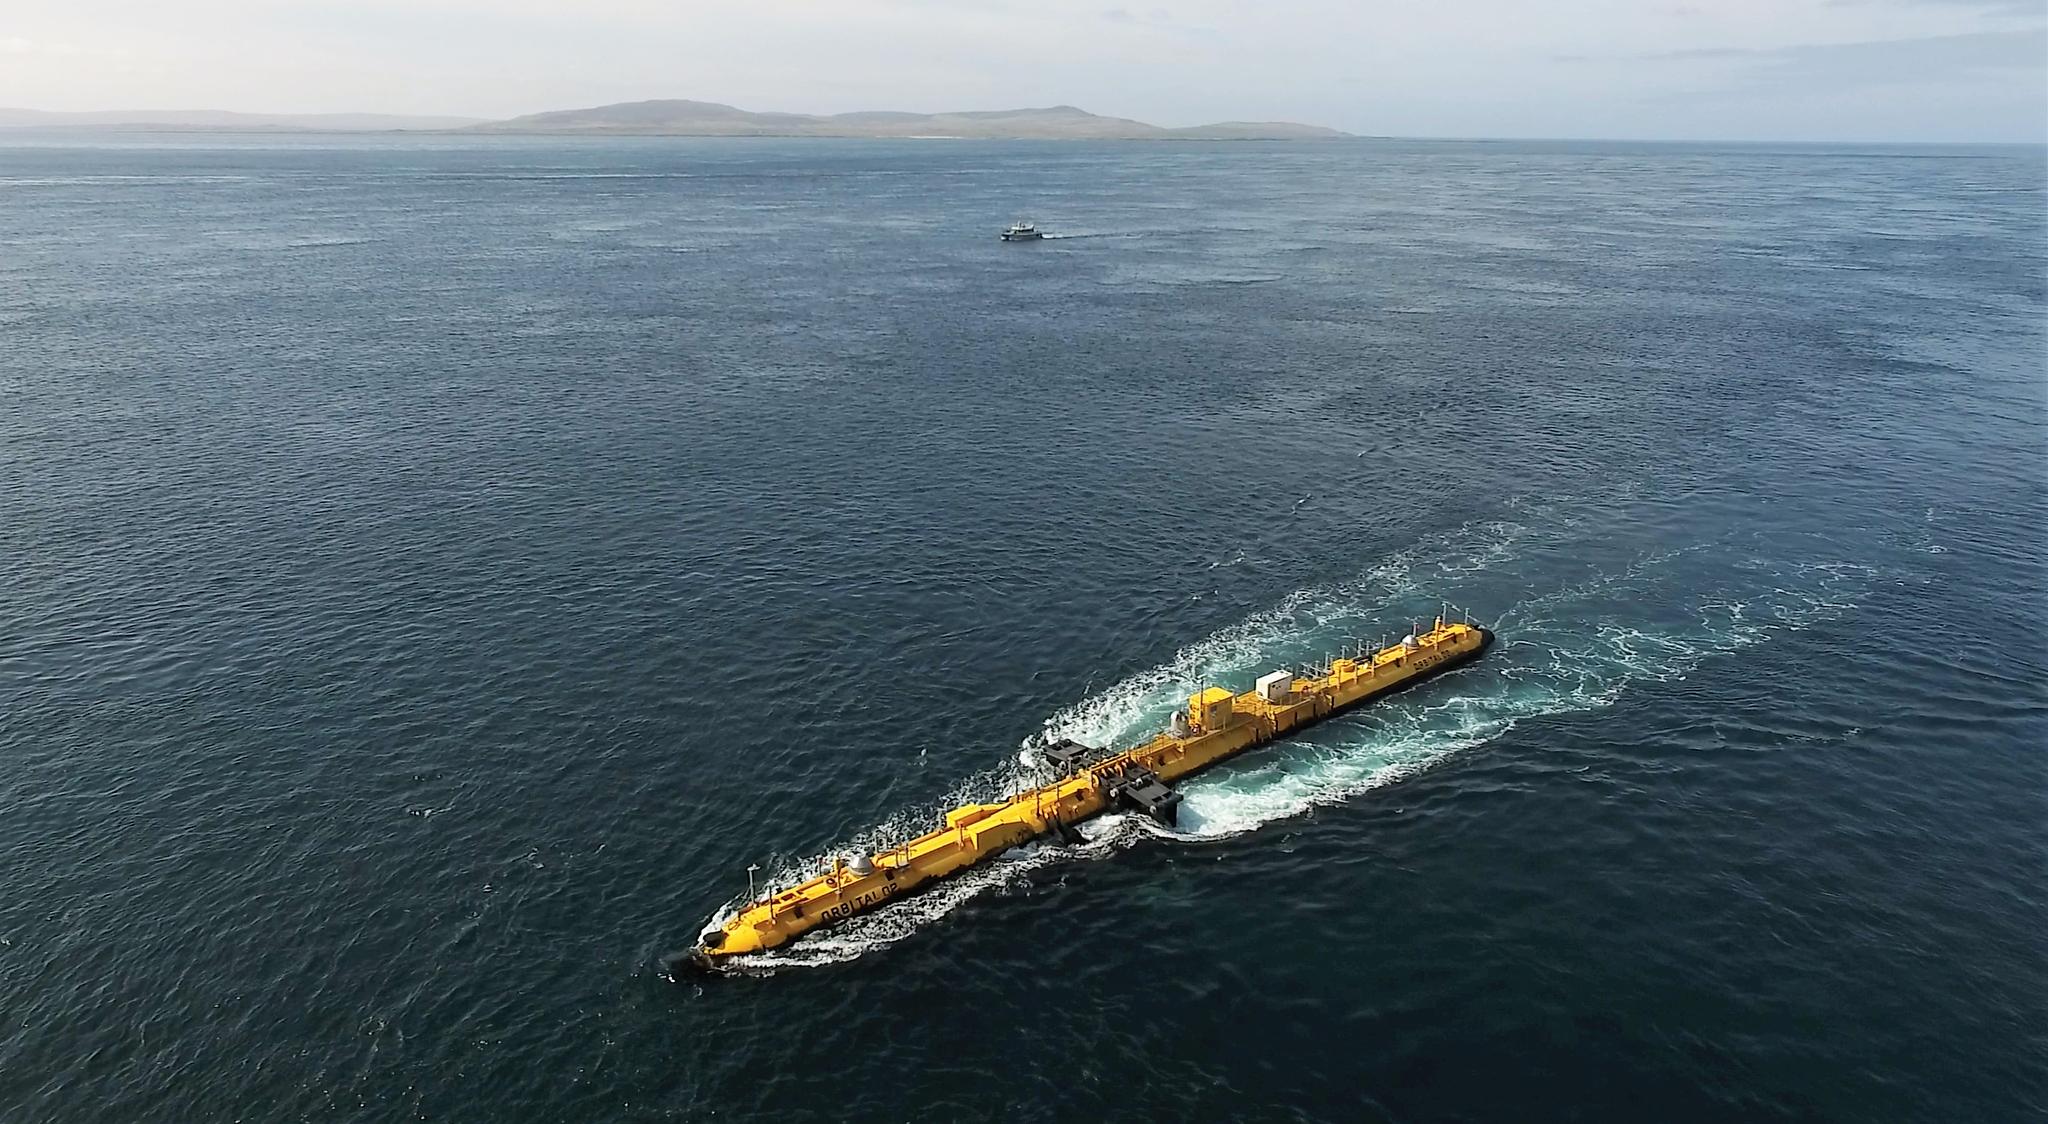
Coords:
1433,659
855,905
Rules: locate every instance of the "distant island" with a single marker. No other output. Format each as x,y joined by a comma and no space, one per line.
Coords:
693,119
710,119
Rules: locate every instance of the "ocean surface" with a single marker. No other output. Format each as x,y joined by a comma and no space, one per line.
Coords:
433,570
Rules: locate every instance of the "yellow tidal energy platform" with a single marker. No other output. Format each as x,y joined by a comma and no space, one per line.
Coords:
1215,726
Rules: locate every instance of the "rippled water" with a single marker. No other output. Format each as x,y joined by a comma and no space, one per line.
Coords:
435,569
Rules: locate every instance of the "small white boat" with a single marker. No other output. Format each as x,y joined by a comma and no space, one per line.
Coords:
1022,232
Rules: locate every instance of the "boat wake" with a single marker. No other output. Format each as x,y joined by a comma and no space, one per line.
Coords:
1576,647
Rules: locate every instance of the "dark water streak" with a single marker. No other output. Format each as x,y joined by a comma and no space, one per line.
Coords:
434,569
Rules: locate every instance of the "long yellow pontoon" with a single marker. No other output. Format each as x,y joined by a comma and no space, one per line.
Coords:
1215,726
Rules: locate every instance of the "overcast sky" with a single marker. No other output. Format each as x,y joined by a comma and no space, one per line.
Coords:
1728,69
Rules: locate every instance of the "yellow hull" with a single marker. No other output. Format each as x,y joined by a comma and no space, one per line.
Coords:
1218,726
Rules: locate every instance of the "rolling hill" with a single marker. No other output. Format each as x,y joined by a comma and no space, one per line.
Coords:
1060,122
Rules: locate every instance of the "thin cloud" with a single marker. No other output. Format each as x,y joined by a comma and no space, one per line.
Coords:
1928,58
1706,53
20,47
2037,9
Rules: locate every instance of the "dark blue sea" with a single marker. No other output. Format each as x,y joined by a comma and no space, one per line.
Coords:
433,570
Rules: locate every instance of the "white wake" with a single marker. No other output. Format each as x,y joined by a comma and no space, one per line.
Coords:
1576,647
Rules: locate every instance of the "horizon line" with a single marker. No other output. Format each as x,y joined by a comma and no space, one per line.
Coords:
142,127
470,119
